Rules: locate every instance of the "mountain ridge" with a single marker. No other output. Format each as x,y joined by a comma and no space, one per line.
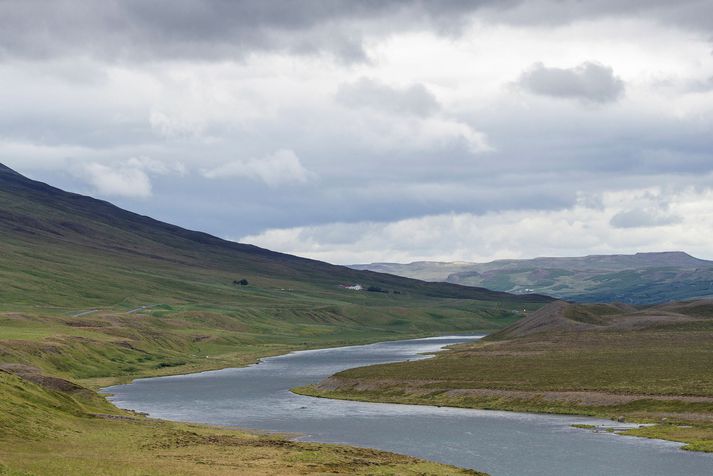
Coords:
640,278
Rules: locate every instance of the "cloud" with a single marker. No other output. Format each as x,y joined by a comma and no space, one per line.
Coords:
200,29
700,86
128,179
589,82
404,118
641,218
414,99
576,230
120,30
425,127
279,168
159,167
123,181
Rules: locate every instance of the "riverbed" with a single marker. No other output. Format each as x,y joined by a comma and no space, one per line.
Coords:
501,443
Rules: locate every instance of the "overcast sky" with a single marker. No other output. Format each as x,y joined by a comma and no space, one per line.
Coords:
358,130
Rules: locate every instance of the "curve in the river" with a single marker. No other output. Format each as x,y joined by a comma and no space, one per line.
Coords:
501,443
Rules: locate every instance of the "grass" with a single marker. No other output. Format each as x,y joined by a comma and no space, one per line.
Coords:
641,363
74,270
62,250
660,376
43,431
55,433
112,346
698,437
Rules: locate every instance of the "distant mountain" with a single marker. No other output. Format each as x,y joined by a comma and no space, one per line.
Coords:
641,278
64,249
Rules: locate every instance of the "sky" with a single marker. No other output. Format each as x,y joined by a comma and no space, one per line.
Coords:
355,131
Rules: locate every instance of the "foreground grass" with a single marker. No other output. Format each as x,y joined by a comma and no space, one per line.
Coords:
647,376
49,426
98,295
45,431
51,432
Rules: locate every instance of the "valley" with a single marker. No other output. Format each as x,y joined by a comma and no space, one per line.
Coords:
93,295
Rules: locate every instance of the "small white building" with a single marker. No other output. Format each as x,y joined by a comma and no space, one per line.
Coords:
353,287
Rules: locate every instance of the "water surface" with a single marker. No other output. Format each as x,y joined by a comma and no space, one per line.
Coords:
501,443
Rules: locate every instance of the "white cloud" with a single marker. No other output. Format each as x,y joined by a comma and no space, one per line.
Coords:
581,229
129,178
159,167
398,156
279,168
175,126
123,181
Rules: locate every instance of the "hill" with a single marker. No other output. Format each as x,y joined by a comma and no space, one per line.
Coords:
563,317
77,248
642,364
92,295
83,278
641,278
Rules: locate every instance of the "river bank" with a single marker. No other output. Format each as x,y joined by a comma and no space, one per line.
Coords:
259,397
660,378
42,417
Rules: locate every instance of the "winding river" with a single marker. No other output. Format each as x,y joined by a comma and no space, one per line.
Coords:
501,443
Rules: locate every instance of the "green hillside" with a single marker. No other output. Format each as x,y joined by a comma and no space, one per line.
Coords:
91,291
641,278
91,295
62,249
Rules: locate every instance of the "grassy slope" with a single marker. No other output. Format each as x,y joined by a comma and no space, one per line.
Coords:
72,270
44,431
645,365
62,249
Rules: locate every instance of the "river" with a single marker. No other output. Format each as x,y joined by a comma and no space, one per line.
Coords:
501,443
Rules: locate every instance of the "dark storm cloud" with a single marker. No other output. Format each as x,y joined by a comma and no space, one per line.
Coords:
218,29
207,29
687,14
590,82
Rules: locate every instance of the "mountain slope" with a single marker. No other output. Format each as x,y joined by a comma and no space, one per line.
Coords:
91,291
64,244
642,278
92,295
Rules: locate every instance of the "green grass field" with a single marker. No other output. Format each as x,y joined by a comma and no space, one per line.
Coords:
112,345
